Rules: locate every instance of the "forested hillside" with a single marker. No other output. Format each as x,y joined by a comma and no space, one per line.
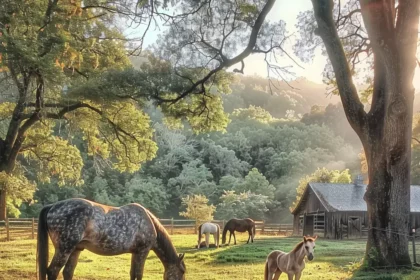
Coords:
252,169
279,135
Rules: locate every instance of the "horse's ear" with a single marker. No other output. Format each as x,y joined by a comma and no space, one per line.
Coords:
181,256
304,238
315,237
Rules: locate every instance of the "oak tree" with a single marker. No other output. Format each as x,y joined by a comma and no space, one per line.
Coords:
383,34
65,63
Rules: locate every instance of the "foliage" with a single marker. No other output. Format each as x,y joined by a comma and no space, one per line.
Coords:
253,112
20,189
243,205
197,209
256,183
192,179
321,175
149,192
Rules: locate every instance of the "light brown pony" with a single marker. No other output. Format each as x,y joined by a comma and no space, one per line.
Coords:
291,263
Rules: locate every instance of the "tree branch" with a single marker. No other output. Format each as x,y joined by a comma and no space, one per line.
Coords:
349,97
228,62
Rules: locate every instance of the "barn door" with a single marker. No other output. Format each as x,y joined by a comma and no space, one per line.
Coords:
354,227
308,225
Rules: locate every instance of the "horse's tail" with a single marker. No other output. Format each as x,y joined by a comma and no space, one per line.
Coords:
266,270
225,229
42,243
218,236
199,234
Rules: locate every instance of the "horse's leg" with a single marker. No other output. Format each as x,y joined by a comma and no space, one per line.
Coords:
216,242
207,239
277,275
199,241
298,275
290,275
249,236
234,238
71,265
57,263
230,236
137,264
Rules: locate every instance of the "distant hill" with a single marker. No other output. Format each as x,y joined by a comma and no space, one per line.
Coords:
277,97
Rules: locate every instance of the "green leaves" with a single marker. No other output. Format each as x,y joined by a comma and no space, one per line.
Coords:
321,175
253,112
53,155
119,131
243,205
197,208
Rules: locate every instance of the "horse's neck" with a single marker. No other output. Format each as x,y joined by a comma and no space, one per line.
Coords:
164,249
298,255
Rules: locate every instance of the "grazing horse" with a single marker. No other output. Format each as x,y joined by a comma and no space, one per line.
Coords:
241,226
77,224
207,229
291,263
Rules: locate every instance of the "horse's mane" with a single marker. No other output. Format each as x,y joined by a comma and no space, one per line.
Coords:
300,244
163,240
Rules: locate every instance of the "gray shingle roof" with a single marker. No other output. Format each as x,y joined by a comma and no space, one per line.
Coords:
349,197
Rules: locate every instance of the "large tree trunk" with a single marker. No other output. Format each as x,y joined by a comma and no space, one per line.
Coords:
387,198
385,130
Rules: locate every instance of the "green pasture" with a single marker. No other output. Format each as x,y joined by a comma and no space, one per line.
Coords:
333,260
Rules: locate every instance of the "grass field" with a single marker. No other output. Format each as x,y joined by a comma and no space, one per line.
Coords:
333,260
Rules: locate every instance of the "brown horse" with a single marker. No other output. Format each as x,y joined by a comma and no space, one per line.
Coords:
240,225
291,263
77,224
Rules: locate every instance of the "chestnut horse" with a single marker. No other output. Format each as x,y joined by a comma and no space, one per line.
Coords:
240,225
291,263
77,224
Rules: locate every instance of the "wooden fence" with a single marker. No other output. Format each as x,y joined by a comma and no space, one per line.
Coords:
13,229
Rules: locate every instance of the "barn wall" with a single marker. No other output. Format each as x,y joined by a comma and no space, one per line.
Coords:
339,224
415,221
313,204
310,204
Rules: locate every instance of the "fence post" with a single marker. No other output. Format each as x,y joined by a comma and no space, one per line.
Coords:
263,226
223,224
172,226
33,228
414,249
7,230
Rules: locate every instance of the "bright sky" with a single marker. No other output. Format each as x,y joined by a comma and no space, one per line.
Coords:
288,10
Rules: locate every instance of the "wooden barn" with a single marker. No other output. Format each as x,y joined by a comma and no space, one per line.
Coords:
339,211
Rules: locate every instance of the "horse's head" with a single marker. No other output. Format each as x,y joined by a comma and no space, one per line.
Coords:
309,243
224,239
175,271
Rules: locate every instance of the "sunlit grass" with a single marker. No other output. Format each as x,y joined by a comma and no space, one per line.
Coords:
333,260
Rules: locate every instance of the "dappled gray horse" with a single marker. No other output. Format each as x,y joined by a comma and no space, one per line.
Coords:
77,224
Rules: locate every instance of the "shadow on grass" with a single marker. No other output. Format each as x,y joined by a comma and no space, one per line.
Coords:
406,274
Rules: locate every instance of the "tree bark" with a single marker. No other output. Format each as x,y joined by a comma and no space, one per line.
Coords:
385,131
2,204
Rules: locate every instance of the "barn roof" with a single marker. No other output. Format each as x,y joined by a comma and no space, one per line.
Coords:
349,197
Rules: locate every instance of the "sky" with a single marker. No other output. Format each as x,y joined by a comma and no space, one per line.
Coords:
287,10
